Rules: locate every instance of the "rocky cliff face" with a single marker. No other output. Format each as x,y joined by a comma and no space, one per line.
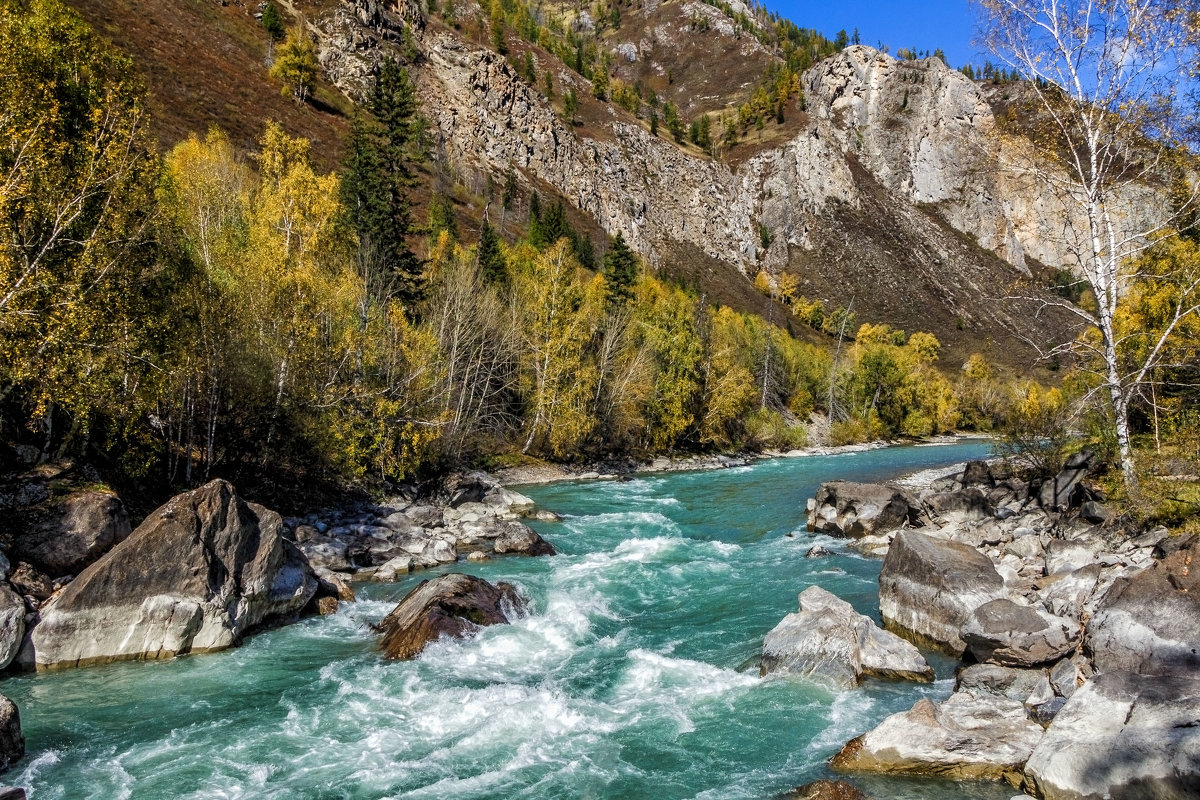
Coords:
899,181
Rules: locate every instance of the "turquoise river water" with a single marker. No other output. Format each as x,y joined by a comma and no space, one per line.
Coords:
632,676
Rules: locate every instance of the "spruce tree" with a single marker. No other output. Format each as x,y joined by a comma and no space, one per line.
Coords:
376,175
554,225
620,272
492,265
537,236
273,22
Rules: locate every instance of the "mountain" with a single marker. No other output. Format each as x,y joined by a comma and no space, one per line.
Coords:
878,182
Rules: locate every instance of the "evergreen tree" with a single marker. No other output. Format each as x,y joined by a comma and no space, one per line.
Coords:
492,265
554,225
441,216
376,176
537,236
620,272
273,22
570,105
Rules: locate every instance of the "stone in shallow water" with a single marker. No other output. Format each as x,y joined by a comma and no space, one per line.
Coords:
831,641
197,575
450,605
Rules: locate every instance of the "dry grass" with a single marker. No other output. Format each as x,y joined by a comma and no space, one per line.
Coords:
204,64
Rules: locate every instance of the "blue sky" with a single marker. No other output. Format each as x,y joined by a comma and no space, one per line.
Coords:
924,25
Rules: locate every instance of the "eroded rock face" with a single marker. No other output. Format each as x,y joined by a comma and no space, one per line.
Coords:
929,587
1011,635
1122,735
845,508
963,738
832,642
1150,622
197,575
450,605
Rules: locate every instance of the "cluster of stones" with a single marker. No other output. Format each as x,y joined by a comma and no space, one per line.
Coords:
1080,643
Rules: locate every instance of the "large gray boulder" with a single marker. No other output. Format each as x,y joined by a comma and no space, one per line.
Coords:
12,740
63,537
830,641
929,587
966,737
1012,635
1150,622
12,624
453,605
1122,735
197,575
845,508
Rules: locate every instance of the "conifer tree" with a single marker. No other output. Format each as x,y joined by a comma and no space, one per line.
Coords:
620,272
376,175
273,22
492,265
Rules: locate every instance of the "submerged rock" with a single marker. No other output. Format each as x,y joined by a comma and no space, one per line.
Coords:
845,508
929,587
1122,735
825,790
199,574
832,642
450,605
966,737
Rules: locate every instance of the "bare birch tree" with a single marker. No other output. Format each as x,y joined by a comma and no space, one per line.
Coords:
1108,79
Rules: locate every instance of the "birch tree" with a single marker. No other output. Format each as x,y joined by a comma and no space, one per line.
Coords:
1107,80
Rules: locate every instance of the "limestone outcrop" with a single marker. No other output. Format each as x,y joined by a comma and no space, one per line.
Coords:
831,642
197,575
452,605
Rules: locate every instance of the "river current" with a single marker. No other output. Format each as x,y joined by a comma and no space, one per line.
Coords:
632,676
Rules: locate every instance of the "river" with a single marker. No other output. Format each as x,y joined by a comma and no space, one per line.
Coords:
632,676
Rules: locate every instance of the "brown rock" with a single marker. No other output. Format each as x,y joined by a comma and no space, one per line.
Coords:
451,605
12,740
825,790
65,536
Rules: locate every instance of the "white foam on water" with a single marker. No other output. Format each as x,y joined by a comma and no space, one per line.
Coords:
725,548
661,685
845,719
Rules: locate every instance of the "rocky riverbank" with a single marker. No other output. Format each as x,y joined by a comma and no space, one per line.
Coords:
199,574
1079,642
